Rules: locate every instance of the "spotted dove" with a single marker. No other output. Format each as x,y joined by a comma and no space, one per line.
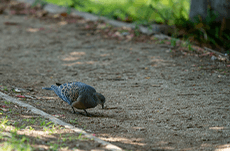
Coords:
78,95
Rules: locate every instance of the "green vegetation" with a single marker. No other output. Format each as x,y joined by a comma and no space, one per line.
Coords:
173,42
140,11
146,12
25,134
205,31
5,88
12,140
73,121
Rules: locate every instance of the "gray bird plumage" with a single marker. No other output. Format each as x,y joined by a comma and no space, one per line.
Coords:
78,95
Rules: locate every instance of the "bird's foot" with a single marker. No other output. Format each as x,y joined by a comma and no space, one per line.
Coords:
80,113
74,112
77,113
89,115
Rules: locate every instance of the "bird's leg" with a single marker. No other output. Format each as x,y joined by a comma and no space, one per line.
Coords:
86,113
73,110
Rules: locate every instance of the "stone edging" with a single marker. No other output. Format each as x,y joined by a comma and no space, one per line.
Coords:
60,122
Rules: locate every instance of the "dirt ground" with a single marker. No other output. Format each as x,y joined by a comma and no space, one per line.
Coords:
156,100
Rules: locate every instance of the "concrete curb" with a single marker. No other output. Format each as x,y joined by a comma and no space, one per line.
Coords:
154,29
60,122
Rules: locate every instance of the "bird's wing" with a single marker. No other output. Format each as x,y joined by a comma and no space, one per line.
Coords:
84,87
59,91
69,92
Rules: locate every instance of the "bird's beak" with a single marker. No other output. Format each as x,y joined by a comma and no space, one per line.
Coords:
102,106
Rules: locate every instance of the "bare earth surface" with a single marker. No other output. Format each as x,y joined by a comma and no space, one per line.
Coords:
154,101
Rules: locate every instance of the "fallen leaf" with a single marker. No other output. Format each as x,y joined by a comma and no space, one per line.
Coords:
211,54
20,96
205,54
199,25
42,28
167,42
10,23
3,109
155,85
64,14
33,30
62,23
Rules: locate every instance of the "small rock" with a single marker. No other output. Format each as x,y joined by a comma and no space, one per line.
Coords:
30,89
125,33
190,126
100,145
205,139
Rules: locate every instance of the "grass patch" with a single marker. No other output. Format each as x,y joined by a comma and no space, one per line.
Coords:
139,11
205,33
27,132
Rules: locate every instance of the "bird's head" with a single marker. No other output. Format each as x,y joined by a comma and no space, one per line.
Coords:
101,99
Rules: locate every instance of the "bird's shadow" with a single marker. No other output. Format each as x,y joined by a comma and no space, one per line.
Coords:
102,115
94,115
97,114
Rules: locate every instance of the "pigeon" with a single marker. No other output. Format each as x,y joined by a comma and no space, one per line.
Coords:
78,95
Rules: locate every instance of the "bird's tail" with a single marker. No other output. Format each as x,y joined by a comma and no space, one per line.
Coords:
47,88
